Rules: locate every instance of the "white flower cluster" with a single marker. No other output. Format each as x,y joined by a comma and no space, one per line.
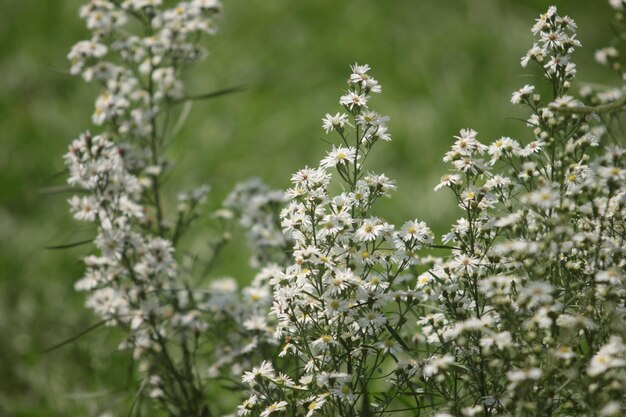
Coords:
258,209
531,304
556,40
342,304
180,332
139,73
348,314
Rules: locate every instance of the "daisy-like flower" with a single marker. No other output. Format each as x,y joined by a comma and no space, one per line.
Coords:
448,180
353,99
466,143
536,53
525,374
266,370
544,198
423,280
611,355
605,55
247,406
417,231
372,318
522,94
323,342
532,148
84,208
464,262
500,146
370,230
315,404
276,407
336,122
360,77
340,280
339,156
389,346
436,364
535,294
565,102
344,392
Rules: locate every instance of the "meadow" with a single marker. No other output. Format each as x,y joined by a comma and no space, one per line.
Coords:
445,65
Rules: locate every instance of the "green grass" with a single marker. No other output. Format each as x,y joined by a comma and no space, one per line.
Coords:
443,65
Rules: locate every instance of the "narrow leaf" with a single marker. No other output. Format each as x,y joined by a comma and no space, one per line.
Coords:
74,338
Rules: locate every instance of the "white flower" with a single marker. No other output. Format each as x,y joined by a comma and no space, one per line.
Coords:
566,102
522,93
266,370
276,407
247,406
610,356
564,352
520,375
502,146
448,180
339,156
337,121
372,318
315,403
84,208
417,231
369,230
612,408
352,99
535,294
423,280
436,364
605,55
360,77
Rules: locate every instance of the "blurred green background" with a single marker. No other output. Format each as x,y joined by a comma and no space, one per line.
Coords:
444,65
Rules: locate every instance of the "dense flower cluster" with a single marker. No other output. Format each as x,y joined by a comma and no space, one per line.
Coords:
349,315
258,209
532,300
342,303
181,333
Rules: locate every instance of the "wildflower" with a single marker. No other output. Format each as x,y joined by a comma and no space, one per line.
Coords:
247,406
522,94
352,99
337,122
567,102
535,294
276,407
436,364
266,370
315,404
610,356
417,231
339,156
520,375
369,230
448,181
361,78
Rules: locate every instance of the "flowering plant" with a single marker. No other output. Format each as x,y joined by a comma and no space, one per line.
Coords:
532,298
182,333
342,305
348,314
